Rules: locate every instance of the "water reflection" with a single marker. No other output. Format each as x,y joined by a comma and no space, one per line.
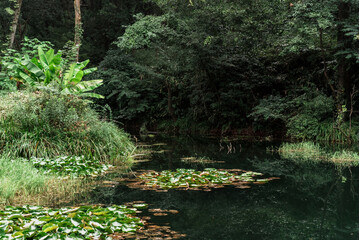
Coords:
311,201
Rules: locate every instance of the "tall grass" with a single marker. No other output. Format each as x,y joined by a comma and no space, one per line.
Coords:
309,151
19,176
345,158
326,131
46,125
21,183
302,150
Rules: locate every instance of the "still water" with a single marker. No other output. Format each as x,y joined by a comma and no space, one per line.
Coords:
309,201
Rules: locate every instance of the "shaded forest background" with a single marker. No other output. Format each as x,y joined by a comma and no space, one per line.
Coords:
272,68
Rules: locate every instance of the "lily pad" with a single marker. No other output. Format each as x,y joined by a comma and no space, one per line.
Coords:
191,179
71,166
85,222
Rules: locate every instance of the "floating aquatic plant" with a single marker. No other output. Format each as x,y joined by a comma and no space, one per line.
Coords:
85,222
71,166
195,180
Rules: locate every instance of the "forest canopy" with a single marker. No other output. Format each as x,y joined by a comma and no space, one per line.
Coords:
274,68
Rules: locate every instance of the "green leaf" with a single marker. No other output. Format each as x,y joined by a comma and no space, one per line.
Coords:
50,228
43,59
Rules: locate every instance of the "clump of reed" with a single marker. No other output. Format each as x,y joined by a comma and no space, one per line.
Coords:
49,125
313,152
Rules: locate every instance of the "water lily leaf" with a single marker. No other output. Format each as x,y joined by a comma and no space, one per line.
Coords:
45,218
99,213
18,234
96,225
75,223
140,205
50,228
16,216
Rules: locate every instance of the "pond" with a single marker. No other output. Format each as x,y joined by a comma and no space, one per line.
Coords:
309,201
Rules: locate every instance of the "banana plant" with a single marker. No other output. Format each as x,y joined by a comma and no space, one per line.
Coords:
71,82
49,68
44,70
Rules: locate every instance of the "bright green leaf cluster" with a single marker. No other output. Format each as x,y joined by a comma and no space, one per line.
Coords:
49,69
85,222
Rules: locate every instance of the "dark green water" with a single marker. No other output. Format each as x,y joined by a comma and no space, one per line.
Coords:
310,201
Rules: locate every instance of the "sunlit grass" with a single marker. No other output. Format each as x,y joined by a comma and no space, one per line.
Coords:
309,151
21,183
345,158
302,150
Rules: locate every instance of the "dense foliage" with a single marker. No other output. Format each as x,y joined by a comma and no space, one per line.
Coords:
279,68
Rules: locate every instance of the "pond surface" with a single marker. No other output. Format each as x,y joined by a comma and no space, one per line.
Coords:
309,201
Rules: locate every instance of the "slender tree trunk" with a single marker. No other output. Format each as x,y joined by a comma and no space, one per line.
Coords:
15,23
78,27
169,100
344,42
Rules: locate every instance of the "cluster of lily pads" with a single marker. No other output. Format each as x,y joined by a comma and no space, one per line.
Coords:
74,166
190,178
85,222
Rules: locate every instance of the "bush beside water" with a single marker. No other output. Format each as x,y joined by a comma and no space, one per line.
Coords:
48,125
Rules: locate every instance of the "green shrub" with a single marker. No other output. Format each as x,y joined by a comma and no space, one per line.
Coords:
306,116
49,125
313,119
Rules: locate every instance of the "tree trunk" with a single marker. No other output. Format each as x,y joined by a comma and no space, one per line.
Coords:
169,100
15,23
344,42
78,27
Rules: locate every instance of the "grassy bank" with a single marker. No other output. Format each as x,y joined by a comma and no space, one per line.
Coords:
22,183
50,144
